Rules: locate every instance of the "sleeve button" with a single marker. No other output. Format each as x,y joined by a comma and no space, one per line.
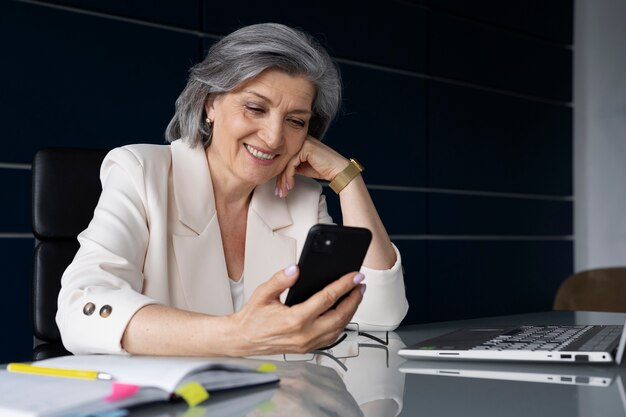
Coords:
88,309
106,310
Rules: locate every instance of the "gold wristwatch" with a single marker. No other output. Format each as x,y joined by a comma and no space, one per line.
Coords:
342,179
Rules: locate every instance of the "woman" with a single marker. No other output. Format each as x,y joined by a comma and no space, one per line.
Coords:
192,244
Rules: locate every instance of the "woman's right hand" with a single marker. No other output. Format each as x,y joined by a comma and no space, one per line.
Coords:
266,326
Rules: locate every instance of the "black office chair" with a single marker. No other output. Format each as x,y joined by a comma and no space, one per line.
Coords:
66,188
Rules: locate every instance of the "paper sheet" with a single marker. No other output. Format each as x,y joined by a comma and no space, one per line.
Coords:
23,395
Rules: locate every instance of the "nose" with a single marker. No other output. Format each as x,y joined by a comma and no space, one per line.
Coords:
272,132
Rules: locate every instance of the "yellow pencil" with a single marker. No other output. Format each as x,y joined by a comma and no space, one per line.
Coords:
64,373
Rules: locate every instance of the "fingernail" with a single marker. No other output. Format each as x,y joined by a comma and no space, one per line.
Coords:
288,187
276,191
358,278
363,288
290,270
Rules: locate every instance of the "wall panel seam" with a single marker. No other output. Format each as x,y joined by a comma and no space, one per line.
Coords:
16,236
14,165
340,60
401,188
484,237
493,25
477,193
109,16
454,82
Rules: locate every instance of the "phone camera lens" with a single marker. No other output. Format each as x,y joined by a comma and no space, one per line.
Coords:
328,242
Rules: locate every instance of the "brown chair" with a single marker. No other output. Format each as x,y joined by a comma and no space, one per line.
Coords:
601,289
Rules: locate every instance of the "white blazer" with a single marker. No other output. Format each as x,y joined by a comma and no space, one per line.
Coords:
155,239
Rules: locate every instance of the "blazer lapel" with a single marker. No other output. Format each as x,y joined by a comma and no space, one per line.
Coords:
266,250
193,189
199,256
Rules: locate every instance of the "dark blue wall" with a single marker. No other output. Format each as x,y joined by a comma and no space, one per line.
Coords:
460,111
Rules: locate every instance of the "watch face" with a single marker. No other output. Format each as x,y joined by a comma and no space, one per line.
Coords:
357,164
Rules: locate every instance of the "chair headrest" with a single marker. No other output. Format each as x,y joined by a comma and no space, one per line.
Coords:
66,188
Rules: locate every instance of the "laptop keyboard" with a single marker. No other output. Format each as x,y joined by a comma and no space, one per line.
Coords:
552,338
603,339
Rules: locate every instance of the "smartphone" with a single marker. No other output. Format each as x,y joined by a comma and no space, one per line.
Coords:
329,253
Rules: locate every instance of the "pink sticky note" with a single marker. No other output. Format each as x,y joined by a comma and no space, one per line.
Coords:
121,391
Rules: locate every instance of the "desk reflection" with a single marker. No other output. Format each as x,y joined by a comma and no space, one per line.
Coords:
309,390
368,383
358,377
372,377
445,388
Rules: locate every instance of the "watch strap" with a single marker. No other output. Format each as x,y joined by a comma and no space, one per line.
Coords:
342,179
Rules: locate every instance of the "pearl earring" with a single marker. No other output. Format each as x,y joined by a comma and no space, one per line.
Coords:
209,122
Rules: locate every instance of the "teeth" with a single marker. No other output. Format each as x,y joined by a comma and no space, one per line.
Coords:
258,154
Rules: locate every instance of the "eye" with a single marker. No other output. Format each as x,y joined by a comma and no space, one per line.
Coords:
254,108
297,122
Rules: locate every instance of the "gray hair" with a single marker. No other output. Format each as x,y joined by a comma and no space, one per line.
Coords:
243,55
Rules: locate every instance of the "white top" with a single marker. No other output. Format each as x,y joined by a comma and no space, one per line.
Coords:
236,292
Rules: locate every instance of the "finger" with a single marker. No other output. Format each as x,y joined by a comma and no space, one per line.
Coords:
285,180
288,180
321,301
347,307
305,169
333,322
272,288
299,164
328,330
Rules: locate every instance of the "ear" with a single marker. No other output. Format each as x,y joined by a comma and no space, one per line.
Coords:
209,108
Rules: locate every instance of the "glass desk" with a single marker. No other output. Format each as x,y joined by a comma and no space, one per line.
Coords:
375,381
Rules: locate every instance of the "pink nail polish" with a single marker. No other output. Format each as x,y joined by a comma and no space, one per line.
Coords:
290,270
358,278
363,288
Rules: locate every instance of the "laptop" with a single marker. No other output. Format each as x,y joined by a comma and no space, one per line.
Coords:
572,344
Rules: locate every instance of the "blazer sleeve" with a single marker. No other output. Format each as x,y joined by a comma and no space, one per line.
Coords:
384,304
101,288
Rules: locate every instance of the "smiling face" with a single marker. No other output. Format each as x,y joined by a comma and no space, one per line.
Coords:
259,127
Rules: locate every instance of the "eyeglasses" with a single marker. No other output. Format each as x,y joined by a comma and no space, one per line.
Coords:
346,346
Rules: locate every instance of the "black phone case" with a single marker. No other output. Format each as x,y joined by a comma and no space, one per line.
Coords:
329,252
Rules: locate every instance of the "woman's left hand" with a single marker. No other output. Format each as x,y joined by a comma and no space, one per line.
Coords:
314,160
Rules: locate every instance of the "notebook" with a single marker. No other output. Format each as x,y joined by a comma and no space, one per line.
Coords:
238,403
572,344
135,380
